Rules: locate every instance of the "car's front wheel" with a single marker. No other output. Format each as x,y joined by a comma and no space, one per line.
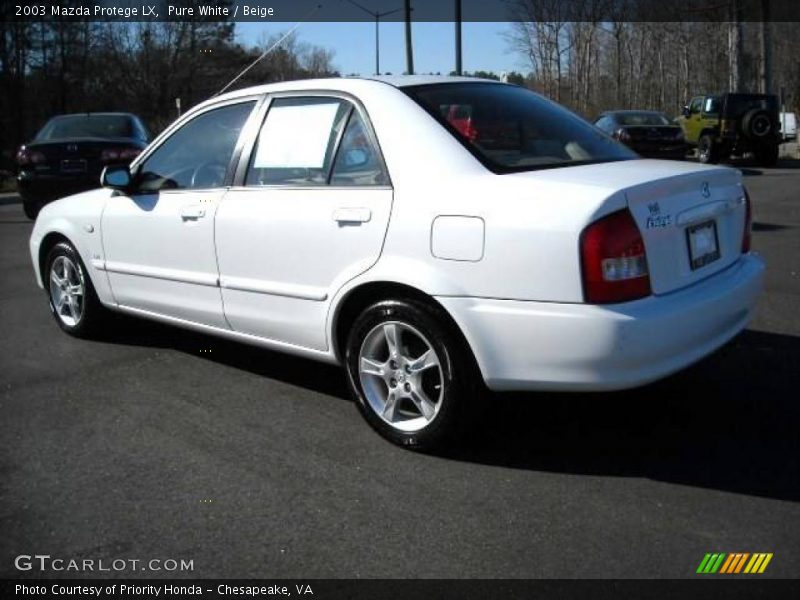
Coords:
73,301
707,150
414,380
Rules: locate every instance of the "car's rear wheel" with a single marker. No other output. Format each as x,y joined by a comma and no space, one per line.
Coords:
414,380
73,300
707,150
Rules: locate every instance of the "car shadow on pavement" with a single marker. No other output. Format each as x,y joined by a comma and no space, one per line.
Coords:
302,372
730,423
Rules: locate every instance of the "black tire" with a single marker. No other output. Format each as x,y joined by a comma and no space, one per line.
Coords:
31,207
767,156
461,385
707,150
92,312
756,124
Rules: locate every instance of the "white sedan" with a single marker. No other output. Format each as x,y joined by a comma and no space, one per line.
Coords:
434,235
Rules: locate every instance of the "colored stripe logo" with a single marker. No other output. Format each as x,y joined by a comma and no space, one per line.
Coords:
734,563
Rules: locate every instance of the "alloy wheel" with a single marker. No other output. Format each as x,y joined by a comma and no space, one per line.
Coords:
67,290
401,376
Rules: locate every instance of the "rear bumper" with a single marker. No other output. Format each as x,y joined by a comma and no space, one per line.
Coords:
548,346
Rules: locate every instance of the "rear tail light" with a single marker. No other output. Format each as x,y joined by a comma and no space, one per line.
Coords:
29,157
119,154
748,223
614,260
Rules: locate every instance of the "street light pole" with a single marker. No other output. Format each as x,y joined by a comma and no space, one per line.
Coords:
458,37
377,45
377,15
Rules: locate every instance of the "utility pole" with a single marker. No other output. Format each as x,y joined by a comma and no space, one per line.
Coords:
458,38
735,43
765,50
409,49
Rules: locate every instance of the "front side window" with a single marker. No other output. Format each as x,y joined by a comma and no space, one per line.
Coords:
513,129
711,106
297,141
198,154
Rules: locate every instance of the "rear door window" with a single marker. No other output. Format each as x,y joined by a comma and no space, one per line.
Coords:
297,141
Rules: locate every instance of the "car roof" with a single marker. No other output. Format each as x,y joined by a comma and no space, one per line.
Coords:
95,114
631,112
347,84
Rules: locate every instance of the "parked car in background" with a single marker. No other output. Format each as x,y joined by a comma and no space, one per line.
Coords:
788,122
649,133
726,125
69,153
365,223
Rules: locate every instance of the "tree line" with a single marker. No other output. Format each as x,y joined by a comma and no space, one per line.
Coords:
585,57
594,55
55,67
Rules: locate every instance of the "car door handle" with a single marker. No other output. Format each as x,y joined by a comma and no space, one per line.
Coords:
192,213
352,215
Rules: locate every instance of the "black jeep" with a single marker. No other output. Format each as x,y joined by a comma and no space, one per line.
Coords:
732,125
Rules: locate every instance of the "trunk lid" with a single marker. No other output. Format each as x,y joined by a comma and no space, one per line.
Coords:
668,200
653,132
75,155
691,222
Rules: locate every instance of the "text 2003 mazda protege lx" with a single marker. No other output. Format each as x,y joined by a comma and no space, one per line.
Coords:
433,235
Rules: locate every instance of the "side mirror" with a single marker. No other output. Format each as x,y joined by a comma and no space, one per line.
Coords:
116,177
685,111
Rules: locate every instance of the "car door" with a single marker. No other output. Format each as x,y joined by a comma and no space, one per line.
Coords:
309,213
692,123
159,239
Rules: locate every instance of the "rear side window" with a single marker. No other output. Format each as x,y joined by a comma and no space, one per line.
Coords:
513,129
357,159
297,141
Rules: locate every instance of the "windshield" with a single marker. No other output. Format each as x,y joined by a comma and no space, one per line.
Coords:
642,119
89,125
509,128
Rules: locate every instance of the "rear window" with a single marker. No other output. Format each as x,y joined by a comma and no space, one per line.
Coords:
512,129
74,126
642,119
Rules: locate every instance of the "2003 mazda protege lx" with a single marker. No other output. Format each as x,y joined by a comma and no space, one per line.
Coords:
431,234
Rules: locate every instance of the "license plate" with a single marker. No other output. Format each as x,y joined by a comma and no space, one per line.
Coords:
73,166
703,244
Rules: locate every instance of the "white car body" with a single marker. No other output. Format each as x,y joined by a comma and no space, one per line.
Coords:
276,266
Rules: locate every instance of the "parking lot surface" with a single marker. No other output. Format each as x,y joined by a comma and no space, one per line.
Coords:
157,443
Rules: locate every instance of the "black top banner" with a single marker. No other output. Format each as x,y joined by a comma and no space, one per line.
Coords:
287,11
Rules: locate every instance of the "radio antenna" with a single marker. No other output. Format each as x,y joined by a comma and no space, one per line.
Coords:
267,51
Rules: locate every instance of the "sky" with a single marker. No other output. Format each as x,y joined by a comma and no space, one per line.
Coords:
484,45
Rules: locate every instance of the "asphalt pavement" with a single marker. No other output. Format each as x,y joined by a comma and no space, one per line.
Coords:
157,443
